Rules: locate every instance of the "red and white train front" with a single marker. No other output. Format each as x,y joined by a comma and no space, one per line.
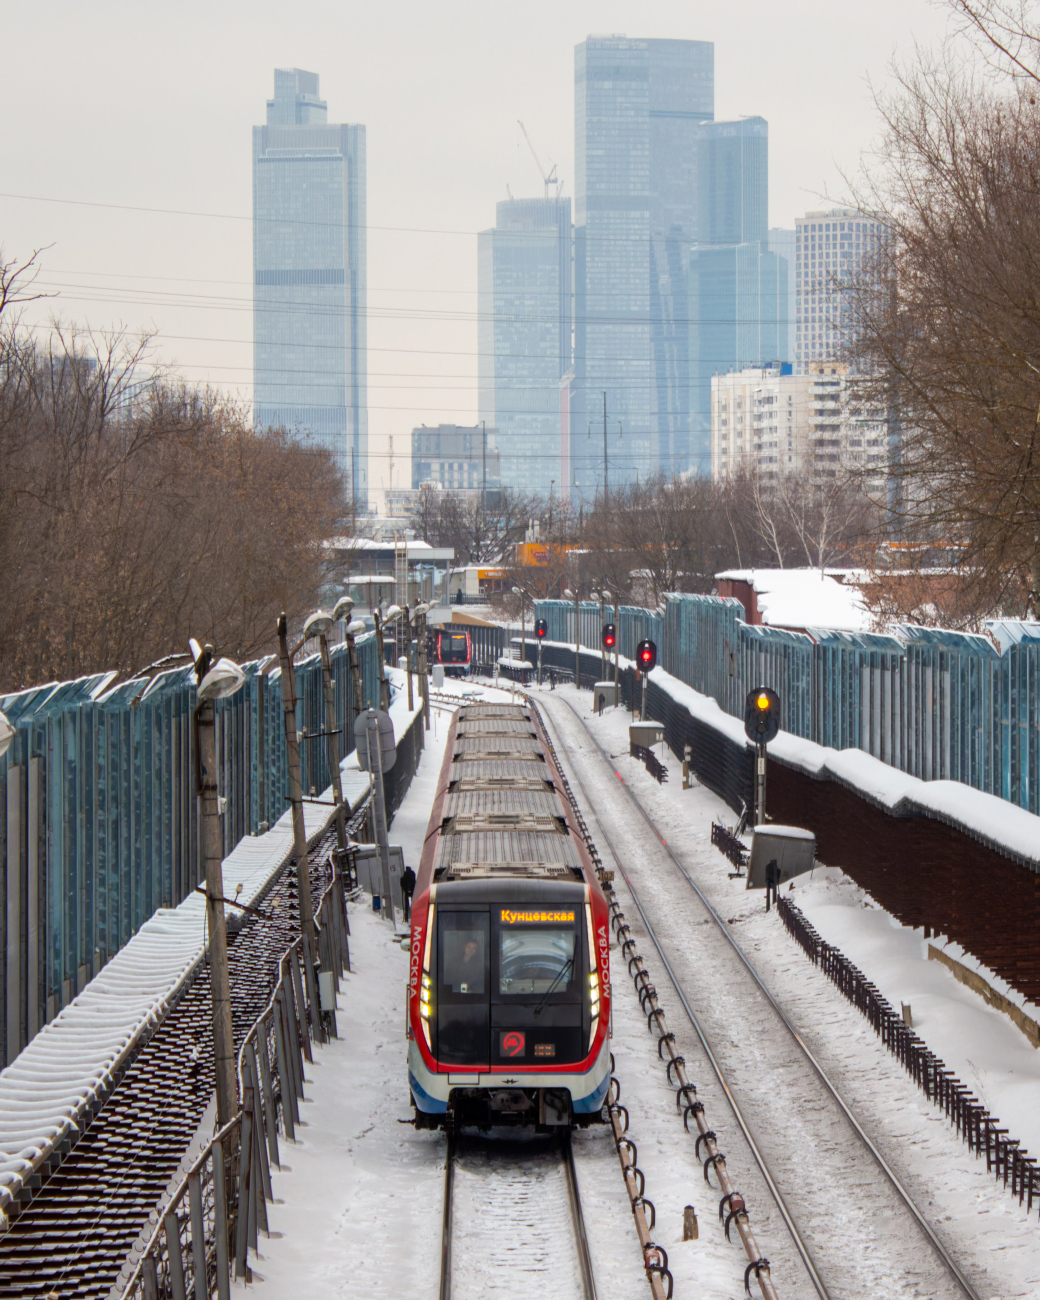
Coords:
509,985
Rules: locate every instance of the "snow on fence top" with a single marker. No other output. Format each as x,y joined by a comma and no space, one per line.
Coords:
73,1061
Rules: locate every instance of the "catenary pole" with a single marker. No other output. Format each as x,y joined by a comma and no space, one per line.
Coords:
303,867
212,850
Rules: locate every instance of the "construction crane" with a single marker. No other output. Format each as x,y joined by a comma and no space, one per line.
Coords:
549,178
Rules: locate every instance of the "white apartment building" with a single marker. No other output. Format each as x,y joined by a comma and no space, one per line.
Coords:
770,420
830,249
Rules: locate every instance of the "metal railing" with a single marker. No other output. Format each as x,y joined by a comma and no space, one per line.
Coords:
205,1230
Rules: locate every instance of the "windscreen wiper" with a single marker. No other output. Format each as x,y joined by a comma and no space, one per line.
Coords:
559,976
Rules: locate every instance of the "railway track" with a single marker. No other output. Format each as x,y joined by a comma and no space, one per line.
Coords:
507,1207
854,1224
74,1235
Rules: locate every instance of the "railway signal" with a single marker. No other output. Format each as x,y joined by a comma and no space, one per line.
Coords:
609,636
646,662
761,723
646,656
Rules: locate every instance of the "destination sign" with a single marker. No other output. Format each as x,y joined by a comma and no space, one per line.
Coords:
510,917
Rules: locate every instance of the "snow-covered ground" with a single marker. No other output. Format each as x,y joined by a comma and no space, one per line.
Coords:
358,1209
988,1233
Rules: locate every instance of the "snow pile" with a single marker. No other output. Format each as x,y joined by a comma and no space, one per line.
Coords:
49,1088
804,598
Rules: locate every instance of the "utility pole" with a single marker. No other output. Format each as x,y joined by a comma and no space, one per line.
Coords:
483,473
384,689
606,488
577,635
303,868
342,806
212,853
408,656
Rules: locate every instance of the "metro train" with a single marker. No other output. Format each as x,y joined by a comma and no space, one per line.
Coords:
509,967
452,649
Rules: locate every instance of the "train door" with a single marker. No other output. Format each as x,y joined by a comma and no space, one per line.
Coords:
463,988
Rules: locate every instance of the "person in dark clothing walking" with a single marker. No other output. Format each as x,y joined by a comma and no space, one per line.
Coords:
407,890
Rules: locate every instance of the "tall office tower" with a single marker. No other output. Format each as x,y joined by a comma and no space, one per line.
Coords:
781,242
737,284
638,107
524,336
833,252
310,352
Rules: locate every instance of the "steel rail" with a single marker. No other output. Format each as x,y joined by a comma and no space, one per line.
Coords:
945,1257
588,1279
449,1186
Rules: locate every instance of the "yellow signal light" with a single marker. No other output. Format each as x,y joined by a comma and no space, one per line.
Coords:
762,702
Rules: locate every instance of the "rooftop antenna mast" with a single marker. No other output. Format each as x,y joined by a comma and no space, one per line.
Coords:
549,178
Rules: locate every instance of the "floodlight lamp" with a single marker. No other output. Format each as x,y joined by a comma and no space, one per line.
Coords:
222,680
421,610
355,627
343,607
517,591
317,623
593,595
605,597
395,611
568,594
7,735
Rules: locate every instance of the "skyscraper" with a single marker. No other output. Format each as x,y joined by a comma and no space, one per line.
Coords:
638,108
738,286
832,250
310,277
524,336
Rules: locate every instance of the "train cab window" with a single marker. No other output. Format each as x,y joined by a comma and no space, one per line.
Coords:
464,959
455,648
536,960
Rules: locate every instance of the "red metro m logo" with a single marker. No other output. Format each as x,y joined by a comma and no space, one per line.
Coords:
512,1043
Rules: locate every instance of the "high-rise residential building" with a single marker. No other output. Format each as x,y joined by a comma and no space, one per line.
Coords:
524,336
310,355
833,251
816,425
639,105
456,457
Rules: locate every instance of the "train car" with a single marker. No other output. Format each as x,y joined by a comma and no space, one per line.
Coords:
453,649
509,976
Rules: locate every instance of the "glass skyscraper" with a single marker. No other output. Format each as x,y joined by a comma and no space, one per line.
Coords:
639,105
738,285
310,277
524,336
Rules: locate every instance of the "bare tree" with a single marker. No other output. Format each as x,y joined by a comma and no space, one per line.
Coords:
953,342
137,510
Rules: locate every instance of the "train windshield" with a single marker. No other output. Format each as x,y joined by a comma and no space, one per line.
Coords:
455,648
536,960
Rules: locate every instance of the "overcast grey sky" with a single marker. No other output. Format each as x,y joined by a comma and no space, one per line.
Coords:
151,106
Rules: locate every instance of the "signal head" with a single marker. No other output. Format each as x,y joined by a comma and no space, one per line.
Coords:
646,656
609,636
541,629
761,715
